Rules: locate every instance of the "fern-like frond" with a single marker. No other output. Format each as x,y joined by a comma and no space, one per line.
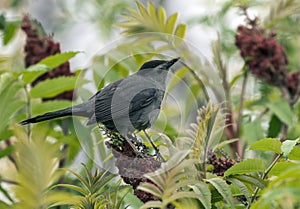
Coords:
170,183
37,170
281,9
151,19
97,190
206,131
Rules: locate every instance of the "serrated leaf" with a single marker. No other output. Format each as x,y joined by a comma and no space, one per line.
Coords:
57,59
222,188
295,154
252,131
180,31
267,144
34,71
247,166
241,186
52,87
171,22
287,146
204,194
49,106
252,180
37,170
282,110
281,166
151,189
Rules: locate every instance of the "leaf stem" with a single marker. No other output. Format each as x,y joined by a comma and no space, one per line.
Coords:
28,110
240,113
275,160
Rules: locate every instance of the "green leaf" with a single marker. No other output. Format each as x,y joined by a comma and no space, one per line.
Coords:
142,9
161,15
282,110
267,144
204,194
9,104
222,188
37,169
6,151
33,72
287,146
3,205
10,31
178,76
151,189
252,180
2,22
281,166
241,186
49,106
252,131
247,166
52,87
295,154
171,22
151,9
180,31
57,59
274,126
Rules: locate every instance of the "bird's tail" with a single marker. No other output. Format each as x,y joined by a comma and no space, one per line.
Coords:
48,116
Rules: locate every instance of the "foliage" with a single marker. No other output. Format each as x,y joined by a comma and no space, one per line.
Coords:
254,121
96,191
37,165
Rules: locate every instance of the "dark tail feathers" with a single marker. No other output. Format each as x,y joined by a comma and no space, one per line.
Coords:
48,116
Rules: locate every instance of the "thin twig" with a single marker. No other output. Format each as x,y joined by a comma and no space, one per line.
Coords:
276,159
28,110
154,147
240,111
201,84
9,181
266,110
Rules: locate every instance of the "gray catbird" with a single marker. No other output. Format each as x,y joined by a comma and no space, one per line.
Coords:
129,104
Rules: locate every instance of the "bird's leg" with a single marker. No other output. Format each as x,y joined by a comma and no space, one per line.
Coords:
154,147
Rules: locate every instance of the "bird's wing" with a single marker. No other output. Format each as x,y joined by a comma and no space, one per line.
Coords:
143,99
110,106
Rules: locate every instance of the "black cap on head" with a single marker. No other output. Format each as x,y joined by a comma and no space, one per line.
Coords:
155,63
152,64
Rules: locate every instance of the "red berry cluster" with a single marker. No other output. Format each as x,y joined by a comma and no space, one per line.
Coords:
38,48
220,164
293,83
131,167
265,57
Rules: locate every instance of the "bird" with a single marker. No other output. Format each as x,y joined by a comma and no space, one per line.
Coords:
130,104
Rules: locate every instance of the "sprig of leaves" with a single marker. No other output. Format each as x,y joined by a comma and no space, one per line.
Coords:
97,190
151,19
170,183
37,171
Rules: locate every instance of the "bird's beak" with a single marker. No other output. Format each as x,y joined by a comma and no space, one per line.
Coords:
171,62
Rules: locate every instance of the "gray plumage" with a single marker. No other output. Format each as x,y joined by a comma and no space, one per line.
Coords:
131,103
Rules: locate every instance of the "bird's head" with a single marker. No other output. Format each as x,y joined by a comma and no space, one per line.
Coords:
158,64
